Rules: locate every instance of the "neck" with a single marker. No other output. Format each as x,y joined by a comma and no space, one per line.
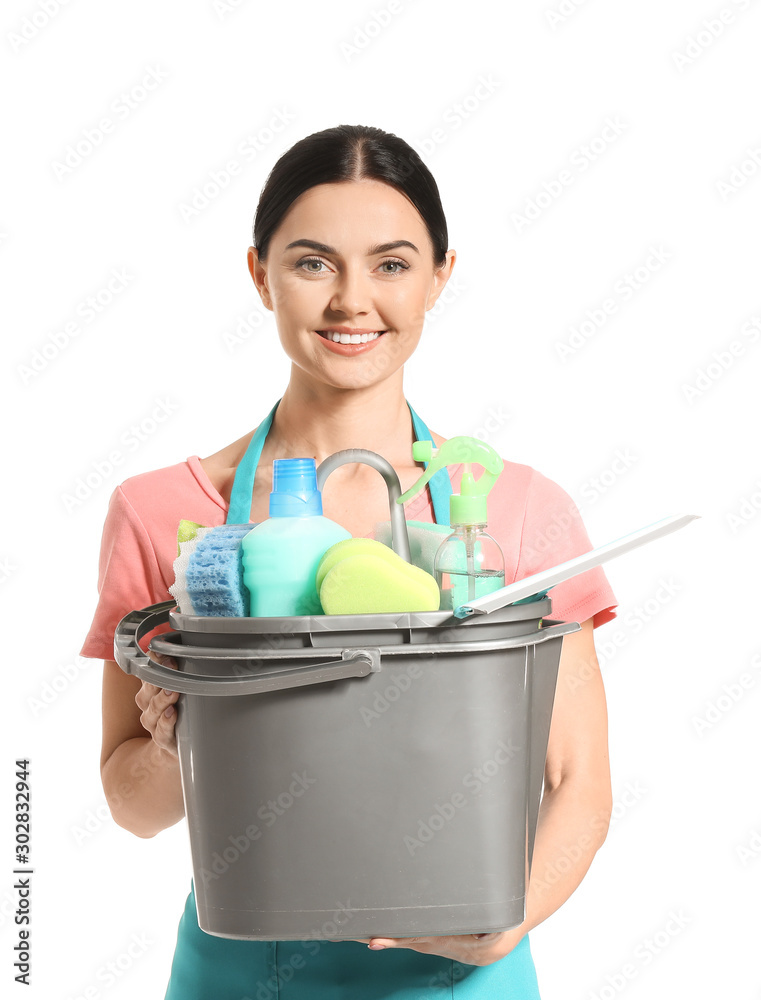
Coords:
315,420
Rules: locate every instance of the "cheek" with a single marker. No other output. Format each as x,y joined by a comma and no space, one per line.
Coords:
297,301
408,302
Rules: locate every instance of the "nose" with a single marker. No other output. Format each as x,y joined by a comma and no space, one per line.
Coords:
351,292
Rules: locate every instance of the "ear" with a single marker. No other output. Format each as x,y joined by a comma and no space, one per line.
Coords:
440,278
259,274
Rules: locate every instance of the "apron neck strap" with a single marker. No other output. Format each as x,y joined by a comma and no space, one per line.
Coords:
242,492
239,511
439,485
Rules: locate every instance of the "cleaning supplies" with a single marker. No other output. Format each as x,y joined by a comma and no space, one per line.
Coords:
399,541
532,588
424,538
469,562
352,547
361,576
214,577
364,576
187,540
185,531
280,556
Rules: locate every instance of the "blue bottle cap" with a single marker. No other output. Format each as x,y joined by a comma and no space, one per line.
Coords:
294,488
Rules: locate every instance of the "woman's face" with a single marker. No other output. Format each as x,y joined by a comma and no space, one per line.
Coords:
327,270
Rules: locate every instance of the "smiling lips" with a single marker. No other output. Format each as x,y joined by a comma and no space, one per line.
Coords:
349,335
348,340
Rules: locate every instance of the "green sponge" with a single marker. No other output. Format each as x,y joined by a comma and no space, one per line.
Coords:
360,576
185,531
352,547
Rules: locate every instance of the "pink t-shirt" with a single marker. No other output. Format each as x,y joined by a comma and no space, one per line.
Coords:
535,521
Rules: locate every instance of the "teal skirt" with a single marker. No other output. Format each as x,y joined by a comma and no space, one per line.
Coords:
206,967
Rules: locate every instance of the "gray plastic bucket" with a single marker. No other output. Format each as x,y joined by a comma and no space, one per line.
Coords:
355,775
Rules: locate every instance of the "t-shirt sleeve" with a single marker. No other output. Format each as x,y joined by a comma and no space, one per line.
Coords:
553,532
128,576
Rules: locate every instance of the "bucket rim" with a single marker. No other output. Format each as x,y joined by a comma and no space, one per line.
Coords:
298,624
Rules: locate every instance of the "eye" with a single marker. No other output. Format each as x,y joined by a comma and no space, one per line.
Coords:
309,260
395,263
301,265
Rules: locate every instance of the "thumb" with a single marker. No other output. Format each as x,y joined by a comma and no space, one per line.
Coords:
381,942
165,660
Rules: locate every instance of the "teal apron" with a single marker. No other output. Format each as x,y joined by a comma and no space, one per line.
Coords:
206,967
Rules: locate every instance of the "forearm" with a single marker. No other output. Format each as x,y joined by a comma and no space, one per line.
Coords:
143,787
572,826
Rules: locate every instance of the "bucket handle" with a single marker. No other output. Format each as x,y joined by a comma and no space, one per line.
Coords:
400,542
132,660
354,662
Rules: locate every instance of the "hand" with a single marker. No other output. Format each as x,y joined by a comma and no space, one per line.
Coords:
154,702
470,949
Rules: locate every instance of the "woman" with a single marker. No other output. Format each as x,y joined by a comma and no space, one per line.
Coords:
350,252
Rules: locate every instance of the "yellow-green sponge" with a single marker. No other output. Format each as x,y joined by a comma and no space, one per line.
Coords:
352,547
185,531
362,580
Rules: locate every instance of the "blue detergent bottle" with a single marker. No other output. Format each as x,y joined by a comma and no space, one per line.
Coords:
280,556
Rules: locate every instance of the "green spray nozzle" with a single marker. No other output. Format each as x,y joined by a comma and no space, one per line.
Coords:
469,505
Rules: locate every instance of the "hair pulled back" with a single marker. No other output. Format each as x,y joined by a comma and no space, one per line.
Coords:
350,152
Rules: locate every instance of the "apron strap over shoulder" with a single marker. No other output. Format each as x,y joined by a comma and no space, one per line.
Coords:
239,511
439,485
242,493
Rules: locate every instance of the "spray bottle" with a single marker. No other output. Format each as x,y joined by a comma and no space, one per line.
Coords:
469,562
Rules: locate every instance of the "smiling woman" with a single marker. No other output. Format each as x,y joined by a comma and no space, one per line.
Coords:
347,299
349,253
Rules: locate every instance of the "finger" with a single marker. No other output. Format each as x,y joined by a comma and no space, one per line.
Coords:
381,942
164,733
167,661
151,698
145,692
154,714
423,944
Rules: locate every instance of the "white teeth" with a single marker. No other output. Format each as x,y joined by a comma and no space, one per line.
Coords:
351,338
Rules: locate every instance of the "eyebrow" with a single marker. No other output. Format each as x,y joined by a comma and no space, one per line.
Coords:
378,248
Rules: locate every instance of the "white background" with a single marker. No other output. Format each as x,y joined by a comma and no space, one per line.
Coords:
686,835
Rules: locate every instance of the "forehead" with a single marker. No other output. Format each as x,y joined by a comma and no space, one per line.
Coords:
352,213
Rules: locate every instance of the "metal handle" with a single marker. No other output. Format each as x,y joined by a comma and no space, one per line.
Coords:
399,539
132,660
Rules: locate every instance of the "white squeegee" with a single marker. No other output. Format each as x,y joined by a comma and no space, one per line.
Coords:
538,584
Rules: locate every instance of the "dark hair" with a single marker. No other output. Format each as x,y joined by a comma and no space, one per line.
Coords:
350,152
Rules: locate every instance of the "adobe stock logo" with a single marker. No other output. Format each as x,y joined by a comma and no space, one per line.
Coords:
457,114
120,109
702,40
130,441
363,35
564,10
740,173
580,159
722,361
34,23
624,288
87,310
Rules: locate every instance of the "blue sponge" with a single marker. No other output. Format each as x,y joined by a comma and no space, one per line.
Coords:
214,577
